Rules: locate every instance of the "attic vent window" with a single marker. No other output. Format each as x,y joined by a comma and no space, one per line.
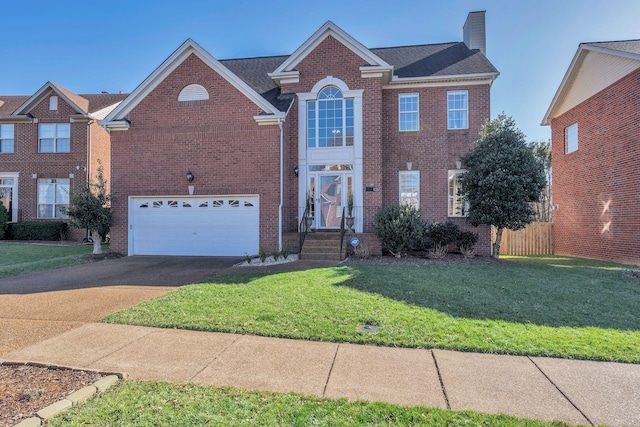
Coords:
53,103
193,92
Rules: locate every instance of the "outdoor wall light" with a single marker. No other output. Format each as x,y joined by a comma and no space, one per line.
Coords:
190,176
296,170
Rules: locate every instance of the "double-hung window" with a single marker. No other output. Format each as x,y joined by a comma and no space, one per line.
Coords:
6,138
409,115
571,138
458,109
409,188
54,138
52,195
330,120
458,206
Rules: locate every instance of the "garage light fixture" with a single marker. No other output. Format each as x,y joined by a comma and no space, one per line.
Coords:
190,176
296,170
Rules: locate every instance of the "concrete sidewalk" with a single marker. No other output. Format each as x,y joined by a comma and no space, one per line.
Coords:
580,392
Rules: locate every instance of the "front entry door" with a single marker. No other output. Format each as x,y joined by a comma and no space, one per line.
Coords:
330,197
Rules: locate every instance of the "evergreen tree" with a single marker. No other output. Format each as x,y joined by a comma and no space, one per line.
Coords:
503,178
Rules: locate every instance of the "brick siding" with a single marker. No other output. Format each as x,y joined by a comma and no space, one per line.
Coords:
217,140
597,187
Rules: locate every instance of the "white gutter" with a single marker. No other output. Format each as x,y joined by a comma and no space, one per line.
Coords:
281,184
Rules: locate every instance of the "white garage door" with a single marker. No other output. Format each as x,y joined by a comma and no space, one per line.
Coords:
194,225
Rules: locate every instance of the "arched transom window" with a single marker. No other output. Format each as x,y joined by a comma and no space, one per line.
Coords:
330,119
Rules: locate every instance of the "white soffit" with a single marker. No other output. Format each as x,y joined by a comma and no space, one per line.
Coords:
598,71
591,71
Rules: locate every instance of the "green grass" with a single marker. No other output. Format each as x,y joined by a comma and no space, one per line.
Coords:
165,404
23,258
541,306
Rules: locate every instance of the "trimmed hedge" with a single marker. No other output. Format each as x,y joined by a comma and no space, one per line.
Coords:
38,230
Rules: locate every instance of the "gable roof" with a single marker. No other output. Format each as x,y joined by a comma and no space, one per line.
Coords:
116,119
93,106
330,29
594,67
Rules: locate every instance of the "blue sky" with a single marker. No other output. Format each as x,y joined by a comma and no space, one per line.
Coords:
114,45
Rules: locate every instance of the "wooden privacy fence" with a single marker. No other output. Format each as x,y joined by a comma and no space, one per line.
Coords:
535,239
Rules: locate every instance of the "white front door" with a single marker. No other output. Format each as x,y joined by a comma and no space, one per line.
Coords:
330,191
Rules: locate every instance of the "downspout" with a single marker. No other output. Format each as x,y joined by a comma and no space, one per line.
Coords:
281,184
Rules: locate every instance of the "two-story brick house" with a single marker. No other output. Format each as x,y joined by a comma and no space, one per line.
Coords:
50,142
218,157
595,134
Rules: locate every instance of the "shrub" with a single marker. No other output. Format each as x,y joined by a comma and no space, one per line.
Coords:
399,228
285,251
466,243
441,234
275,254
39,230
4,220
262,254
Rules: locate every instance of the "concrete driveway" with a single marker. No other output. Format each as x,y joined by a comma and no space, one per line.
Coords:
37,306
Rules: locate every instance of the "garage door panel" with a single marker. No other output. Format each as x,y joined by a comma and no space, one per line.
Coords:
205,225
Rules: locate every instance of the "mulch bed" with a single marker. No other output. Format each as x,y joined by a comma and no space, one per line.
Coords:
25,389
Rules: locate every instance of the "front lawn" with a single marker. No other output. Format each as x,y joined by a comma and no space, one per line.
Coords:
25,258
542,306
165,404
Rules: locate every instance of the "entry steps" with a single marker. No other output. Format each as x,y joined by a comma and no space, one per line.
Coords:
322,246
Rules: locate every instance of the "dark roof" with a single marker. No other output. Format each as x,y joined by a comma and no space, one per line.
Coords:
435,60
254,72
429,60
90,103
629,46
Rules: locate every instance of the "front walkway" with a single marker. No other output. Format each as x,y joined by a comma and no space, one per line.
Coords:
580,392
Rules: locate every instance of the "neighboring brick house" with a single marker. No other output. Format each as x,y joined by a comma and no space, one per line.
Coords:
216,157
595,133
50,142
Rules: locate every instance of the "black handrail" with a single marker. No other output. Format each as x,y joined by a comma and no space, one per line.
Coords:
342,233
303,230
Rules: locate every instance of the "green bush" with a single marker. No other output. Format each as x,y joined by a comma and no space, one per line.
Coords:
39,230
4,220
399,228
441,234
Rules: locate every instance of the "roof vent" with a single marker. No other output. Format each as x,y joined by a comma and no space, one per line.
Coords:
474,33
193,92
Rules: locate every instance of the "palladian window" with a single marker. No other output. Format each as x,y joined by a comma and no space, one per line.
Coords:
330,120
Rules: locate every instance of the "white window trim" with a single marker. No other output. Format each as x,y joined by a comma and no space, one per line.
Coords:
53,103
55,203
339,155
457,92
401,113
571,145
13,138
55,138
14,193
455,197
411,172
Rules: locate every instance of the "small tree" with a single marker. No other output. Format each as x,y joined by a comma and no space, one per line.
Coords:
90,208
399,228
503,178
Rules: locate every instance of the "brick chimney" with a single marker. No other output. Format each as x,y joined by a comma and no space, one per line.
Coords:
474,34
